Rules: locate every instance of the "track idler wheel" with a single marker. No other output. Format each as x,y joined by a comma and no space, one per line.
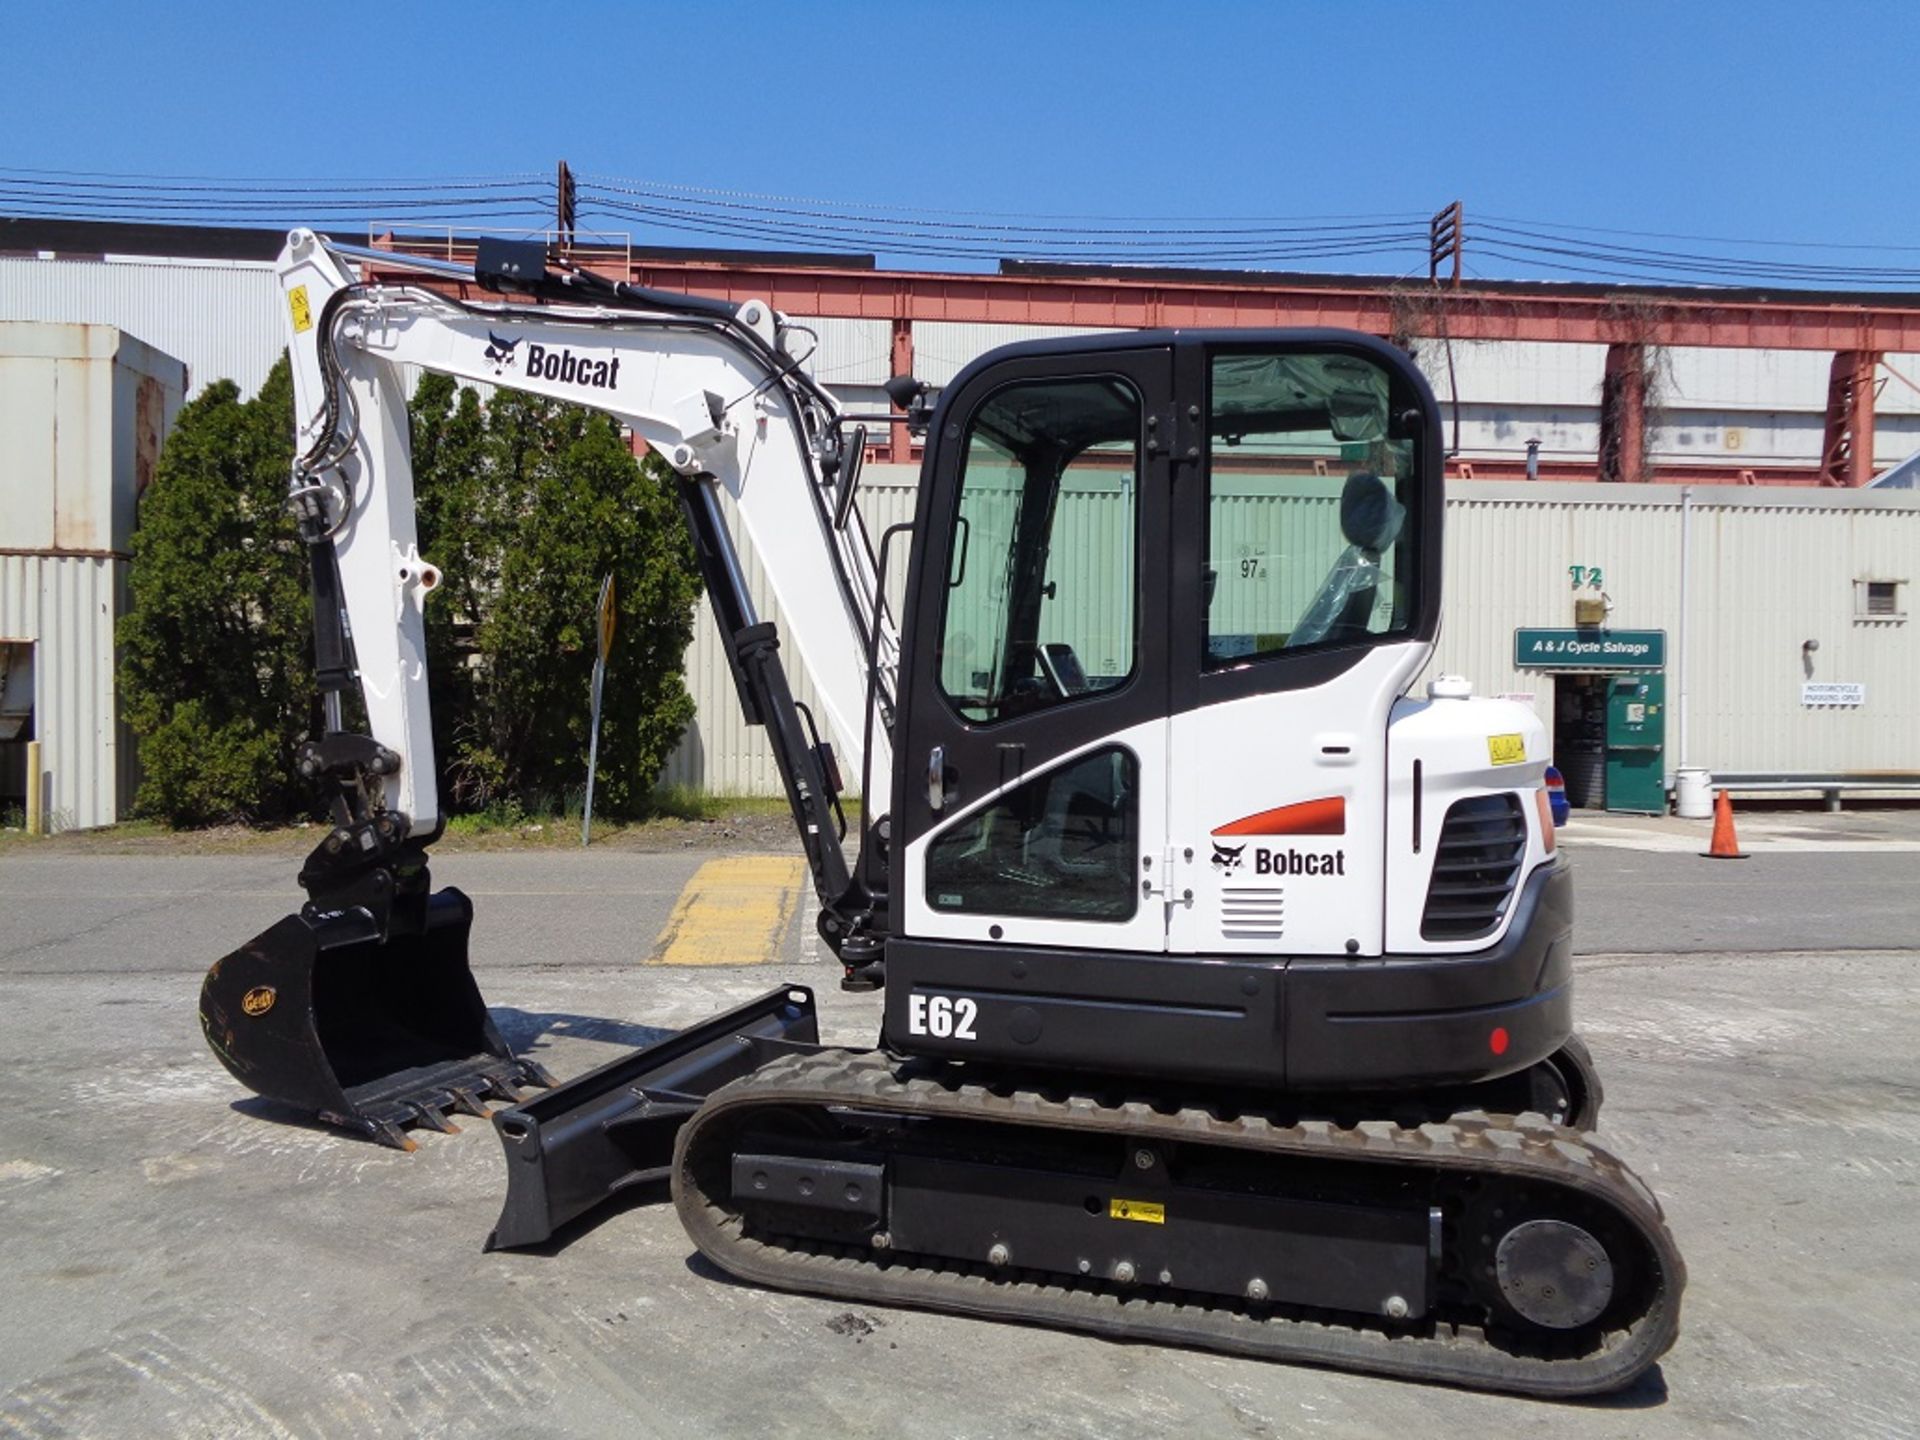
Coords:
1553,1274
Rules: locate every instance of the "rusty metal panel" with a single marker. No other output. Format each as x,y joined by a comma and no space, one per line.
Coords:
221,317
83,409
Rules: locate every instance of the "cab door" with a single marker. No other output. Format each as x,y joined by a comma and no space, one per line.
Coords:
1306,599
1030,773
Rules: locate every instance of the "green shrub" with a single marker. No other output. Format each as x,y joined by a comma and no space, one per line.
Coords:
524,504
216,675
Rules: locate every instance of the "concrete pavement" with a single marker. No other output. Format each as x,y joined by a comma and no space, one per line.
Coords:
177,1264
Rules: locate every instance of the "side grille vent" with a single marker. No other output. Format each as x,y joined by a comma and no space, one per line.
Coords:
1475,865
1249,912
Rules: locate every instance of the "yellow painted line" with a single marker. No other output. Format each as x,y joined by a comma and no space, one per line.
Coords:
733,912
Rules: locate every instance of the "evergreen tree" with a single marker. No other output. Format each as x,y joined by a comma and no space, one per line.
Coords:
524,505
537,502
216,673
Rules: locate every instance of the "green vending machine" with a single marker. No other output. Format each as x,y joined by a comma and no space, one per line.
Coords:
1636,740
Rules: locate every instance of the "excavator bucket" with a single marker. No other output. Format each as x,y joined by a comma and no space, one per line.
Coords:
371,1033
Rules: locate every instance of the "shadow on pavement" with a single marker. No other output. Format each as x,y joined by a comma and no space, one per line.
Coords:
1646,1393
634,1197
525,1029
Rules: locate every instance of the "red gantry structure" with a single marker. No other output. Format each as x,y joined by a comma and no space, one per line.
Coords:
1857,330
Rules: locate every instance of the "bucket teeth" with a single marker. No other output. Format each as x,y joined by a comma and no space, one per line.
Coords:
432,1116
497,1088
468,1103
534,1073
388,1133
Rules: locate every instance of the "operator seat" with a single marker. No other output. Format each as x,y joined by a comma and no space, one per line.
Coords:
1371,520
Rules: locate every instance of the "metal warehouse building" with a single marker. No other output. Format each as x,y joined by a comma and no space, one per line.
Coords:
1567,597
83,411
1792,656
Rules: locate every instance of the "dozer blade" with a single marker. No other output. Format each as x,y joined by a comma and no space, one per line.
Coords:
594,1138
372,1035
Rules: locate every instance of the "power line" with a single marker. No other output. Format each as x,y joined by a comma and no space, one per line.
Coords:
930,234
1705,239
286,182
1402,216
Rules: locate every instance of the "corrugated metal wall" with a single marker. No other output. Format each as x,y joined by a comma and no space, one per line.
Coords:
721,753
1719,406
1758,407
222,318
942,348
1771,569
82,417
67,605
851,352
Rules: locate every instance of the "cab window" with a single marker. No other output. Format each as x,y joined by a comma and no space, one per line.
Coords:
1061,846
1310,506
1041,578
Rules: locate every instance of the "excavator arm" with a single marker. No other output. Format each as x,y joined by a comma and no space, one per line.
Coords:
362,1007
717,389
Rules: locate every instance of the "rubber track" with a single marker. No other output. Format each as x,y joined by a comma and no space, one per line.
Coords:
1526,1148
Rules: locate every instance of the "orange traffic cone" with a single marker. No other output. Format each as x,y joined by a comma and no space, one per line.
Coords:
1723,845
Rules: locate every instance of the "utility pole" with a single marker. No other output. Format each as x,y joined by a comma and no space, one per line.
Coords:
563,205
1446,236
607,616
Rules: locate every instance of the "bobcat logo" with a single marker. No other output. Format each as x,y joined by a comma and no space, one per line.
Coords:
1227,857
500,352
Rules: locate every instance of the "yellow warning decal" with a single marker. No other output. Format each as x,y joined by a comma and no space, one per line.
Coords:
1145,1210
1507,749
302,311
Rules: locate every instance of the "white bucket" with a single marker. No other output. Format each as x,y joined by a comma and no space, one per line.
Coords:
1693,794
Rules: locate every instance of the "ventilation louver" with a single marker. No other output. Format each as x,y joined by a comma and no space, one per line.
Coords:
1253,912
1477,862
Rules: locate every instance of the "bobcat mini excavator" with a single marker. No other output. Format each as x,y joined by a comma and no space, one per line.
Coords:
1228,984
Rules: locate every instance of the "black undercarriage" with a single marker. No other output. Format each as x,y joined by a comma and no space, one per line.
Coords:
1501,1252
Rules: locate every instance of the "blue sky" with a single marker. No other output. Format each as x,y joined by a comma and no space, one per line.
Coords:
1763,121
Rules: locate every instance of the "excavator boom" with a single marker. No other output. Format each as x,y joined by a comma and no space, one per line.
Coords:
362,1007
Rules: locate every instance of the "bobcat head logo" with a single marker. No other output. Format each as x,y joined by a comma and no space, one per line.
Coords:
1227,857
500,352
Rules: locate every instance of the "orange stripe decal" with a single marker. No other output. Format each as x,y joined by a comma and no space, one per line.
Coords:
1309,817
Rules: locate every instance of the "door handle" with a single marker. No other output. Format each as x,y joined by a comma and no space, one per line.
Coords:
937,779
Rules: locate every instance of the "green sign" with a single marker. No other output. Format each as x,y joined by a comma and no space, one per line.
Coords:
1590,649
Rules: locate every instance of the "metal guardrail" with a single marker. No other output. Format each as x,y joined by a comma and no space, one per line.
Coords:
1828,783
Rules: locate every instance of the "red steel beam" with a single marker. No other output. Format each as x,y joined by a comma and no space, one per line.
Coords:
1693,472
1847,451
1616,315
1472,312
1623,414
899,445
